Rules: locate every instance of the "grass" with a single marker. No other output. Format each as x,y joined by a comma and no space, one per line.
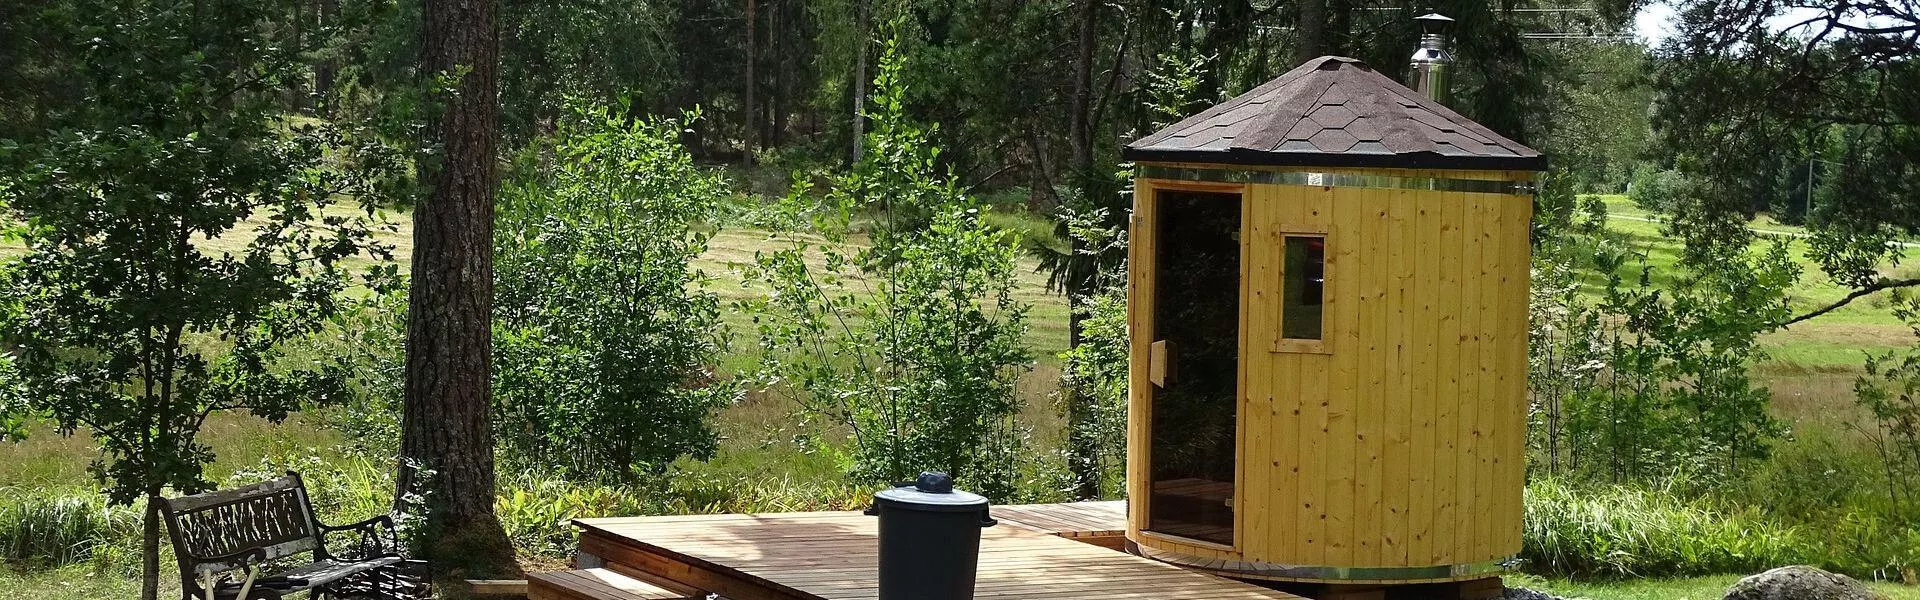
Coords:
1711,587
76,582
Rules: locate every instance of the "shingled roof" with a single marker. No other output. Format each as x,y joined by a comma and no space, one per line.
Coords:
1334,112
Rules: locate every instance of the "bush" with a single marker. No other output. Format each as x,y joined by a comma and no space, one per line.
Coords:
1657,191
1097,366
914,343
1650,378
604,335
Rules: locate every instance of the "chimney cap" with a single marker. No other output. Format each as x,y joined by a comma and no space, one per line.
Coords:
1434,23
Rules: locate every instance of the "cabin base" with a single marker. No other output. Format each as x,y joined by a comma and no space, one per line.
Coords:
1327,575
1486,588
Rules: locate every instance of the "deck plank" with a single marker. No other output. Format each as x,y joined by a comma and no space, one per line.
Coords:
1035,553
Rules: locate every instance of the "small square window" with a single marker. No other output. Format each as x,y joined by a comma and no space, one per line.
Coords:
1304,287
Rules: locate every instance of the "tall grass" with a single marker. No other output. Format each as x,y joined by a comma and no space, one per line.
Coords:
41,530
1619,531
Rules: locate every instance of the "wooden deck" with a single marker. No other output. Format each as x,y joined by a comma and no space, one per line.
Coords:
833,556
1102,524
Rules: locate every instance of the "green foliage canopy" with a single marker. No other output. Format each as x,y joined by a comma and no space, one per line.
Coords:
181,236
604,334
912,343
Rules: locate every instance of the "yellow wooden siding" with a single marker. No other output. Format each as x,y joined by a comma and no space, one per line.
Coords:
1139,311
1402,445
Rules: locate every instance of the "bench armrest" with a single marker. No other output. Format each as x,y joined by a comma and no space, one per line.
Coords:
371,538
384,521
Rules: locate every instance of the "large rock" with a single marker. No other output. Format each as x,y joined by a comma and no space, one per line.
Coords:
1513,593
1800,583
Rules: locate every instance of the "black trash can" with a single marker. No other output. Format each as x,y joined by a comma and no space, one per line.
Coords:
929,539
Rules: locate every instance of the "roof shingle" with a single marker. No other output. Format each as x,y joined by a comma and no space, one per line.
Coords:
1334,111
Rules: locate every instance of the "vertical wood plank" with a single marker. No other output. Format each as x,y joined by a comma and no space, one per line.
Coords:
1240,397
1398,401
1261,385
1140,326
1492,395
1365,514
1422,465
1448,394
1517,289
1467,467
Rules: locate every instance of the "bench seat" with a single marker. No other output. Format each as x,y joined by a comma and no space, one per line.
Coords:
326,571
598,584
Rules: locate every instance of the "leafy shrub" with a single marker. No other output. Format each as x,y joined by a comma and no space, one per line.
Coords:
604,335
343,489
1649,379
1890,394
1097,366
373,341
1657,190
915,342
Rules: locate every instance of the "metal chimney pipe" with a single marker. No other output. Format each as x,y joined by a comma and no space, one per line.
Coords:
1432,65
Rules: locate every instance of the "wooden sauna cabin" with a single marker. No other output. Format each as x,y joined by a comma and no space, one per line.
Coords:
1328,298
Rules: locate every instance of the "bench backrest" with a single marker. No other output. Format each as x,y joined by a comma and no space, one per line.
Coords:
273,515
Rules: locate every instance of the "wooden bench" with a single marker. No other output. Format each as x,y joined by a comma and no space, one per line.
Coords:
600,584
223,540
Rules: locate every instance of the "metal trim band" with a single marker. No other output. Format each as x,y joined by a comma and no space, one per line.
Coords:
1323,179
1265,570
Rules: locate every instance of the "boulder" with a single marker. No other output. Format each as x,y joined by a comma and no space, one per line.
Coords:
1800,583
1514,593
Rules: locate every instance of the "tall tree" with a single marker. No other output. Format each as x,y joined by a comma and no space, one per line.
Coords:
1745,82
1083,459
1312,31
859,82
178,236
446,445
749,118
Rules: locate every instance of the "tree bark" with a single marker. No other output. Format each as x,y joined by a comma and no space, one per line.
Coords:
1084,459
1079,121
446,433
777,37
323,73
150,550
860,81
750,118
1313,31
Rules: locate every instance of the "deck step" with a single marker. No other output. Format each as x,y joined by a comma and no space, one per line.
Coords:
597,584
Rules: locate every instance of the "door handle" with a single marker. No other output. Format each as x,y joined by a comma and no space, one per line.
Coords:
1160,367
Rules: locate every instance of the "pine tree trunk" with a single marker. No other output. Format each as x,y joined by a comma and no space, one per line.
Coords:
860,82
1079,123
751,118
323,73
1084,454
150,550
296,86
777,38
1313,31
446,434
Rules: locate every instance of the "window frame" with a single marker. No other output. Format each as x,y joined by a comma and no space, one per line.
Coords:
1324,345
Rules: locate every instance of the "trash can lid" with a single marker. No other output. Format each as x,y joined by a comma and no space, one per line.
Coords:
932,492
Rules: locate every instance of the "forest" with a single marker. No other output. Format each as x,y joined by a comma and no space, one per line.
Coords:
492,265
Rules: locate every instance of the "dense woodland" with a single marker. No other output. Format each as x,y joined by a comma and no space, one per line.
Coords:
688,244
